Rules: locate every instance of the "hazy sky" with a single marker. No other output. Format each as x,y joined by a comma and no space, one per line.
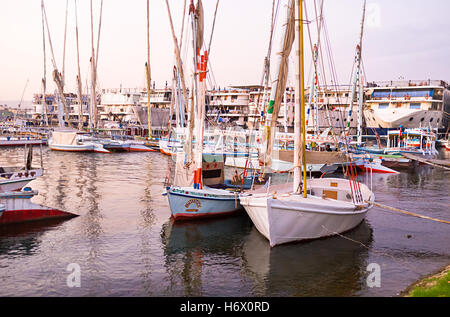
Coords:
402,38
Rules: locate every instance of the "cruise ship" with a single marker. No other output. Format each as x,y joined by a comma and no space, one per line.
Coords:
410,104
51,109
387,105
332,108
228,105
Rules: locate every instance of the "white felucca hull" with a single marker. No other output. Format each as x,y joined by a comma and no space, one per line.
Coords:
283,218
88,147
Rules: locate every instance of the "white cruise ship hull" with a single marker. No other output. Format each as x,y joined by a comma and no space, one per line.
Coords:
394,118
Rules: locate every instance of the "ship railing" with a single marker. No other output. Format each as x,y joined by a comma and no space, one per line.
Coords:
407,83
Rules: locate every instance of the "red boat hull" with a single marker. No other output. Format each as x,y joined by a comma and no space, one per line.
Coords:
20,216
19,209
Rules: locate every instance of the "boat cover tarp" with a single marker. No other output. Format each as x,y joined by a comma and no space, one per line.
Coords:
66,138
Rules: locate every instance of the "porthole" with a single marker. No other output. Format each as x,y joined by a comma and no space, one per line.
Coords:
431,120
411,119
422,119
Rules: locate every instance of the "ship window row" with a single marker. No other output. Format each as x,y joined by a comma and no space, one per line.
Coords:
402,94
413,105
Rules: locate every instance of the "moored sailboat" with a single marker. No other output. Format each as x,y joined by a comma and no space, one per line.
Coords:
305,209
191,195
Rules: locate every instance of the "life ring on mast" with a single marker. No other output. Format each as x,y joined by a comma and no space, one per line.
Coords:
389,97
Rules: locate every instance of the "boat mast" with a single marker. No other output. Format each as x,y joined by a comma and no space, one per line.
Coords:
266,73
93,109
197,37
297,104
44,79
63,78
80,89
279,85
147,71
302,94
56,75
183,84
357,84
361,79
299,114
177,54
313,93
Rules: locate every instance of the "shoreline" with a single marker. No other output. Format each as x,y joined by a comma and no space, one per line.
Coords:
427,282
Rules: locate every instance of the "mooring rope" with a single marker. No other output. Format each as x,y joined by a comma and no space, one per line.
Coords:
406,212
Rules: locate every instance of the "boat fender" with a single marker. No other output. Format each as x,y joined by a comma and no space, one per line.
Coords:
27,189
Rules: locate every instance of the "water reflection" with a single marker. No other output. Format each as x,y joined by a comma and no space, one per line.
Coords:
125,244
24,239
328,267
190,246
146,221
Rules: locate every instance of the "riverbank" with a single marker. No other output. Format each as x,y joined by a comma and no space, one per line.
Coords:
433,285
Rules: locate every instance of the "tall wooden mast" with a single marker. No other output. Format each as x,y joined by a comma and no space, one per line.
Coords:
147,71
79,86
299,119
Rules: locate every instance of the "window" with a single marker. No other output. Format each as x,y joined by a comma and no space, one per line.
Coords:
414,105
383,106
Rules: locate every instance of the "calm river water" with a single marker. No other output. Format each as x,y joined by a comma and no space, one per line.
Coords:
126,245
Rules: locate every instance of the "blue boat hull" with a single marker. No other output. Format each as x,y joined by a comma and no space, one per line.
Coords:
188,203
